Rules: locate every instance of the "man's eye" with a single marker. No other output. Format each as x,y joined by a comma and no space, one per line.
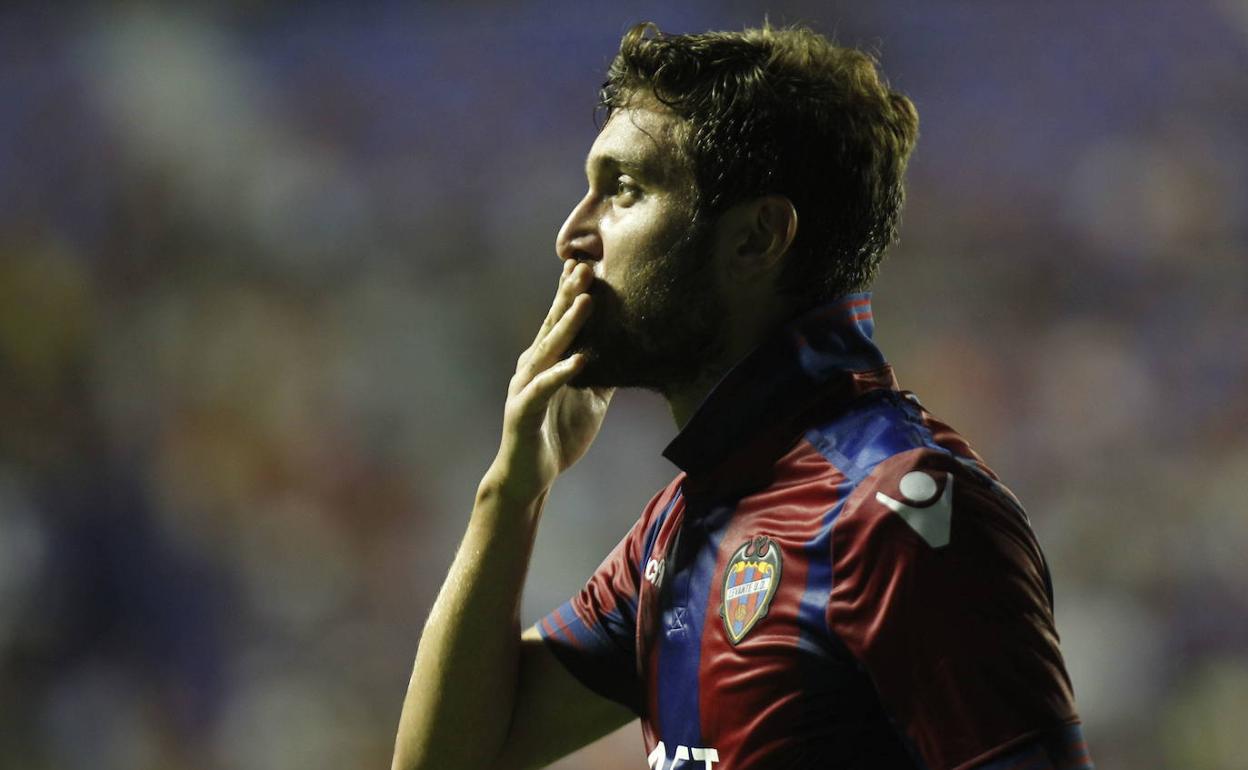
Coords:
626,188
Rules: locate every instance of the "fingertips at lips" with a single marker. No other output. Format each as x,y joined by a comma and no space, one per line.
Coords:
575,308
575,289
574,283
583,280
580,305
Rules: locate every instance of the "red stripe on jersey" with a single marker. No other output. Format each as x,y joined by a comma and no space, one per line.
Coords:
1080,759
903,607
738,716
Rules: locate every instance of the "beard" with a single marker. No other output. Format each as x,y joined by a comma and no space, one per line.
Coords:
663,328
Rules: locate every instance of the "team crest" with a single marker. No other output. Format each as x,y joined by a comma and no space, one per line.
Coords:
750,582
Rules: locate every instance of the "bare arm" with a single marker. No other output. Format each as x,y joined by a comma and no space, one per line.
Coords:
480,695
557,714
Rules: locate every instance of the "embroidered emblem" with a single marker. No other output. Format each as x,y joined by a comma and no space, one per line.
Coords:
750,583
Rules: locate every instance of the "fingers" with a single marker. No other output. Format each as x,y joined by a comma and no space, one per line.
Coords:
553,345
526,408
575,278
566,317
540,390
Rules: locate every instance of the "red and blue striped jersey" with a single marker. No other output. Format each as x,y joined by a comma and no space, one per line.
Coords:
834,580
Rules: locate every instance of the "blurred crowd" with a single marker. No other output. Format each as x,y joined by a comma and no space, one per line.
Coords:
265,270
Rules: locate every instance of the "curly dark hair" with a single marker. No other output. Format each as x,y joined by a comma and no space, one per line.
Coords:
782,110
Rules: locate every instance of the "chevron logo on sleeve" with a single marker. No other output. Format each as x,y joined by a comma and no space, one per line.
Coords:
933,520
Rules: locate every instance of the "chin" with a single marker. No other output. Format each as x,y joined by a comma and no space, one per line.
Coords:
598,372
653,374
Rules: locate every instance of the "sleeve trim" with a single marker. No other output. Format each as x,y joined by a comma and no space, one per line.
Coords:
1014,743
560,651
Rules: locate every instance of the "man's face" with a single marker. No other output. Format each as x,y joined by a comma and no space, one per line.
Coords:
657,315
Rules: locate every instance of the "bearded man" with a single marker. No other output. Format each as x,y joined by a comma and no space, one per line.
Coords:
835,579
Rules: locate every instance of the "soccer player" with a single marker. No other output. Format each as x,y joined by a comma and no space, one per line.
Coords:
835,579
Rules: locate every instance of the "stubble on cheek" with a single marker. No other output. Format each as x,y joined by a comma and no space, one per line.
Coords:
656,330
648,323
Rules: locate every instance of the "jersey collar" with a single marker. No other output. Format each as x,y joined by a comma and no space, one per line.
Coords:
812,367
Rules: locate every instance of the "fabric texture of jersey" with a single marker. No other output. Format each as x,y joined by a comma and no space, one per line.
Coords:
834,580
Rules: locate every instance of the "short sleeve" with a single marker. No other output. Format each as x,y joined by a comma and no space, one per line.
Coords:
941,592
594,634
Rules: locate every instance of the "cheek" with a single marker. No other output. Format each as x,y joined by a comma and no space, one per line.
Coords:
636,237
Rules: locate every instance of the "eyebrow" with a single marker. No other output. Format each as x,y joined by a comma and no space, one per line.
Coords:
634,166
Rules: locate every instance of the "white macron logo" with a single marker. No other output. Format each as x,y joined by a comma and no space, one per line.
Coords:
933,521
683,755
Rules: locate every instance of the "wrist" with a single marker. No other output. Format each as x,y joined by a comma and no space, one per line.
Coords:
502,488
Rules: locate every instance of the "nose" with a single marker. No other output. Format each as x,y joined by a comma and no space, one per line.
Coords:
579,238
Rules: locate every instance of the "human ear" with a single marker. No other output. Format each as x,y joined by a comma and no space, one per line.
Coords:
764,229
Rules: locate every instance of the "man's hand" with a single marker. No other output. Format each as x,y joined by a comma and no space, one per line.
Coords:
548,426
480,696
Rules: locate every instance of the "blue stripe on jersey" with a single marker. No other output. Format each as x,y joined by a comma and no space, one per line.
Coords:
868,326
811,618
572,628
885,424
853,443
870,434
653,533
680,637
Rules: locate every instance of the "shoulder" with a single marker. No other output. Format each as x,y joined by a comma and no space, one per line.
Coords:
920,505
902,463
662,501
940,589
654,516
912,489
926,538
923,502
876,426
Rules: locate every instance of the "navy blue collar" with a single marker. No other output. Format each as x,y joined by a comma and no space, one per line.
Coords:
813,365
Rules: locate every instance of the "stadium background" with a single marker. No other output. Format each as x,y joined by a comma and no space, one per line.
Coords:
265,268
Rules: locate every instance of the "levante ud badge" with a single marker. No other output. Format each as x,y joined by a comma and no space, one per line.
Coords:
750,583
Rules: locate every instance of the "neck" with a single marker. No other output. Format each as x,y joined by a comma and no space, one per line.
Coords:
684,400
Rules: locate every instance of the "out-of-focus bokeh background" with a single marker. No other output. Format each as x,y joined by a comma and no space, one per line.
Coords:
265,269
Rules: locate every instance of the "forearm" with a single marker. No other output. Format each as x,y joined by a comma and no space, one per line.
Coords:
462,691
